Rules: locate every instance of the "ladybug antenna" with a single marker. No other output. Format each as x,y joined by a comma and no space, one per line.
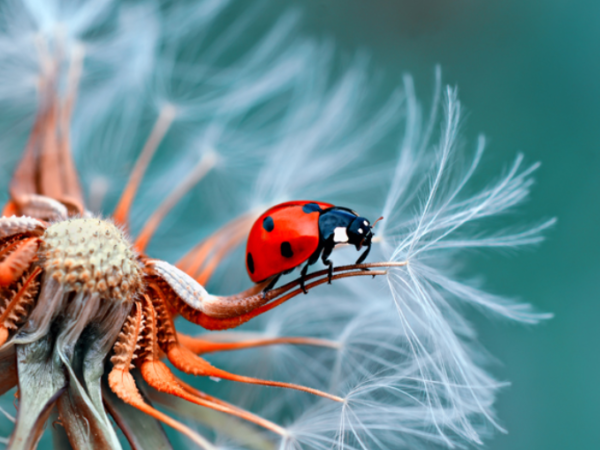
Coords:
375,223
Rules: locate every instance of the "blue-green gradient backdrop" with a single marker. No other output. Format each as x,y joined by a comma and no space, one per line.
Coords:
528,74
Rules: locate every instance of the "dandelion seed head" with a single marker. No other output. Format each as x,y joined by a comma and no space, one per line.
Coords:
92,256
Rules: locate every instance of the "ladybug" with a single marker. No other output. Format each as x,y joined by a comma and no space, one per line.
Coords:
292,233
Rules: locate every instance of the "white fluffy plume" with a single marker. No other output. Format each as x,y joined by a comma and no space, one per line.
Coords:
282,125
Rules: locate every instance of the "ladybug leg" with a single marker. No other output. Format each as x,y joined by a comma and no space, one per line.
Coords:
327,249
303,274
302,278
271,285
329,271
362,257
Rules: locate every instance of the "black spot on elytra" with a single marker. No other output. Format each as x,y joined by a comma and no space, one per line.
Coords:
310,208
286,250
268,223
250,262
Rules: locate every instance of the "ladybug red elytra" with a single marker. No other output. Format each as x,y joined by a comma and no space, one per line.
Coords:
291,233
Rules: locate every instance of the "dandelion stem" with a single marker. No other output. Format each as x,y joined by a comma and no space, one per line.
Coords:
161,126
212,323
8,416
219,244
206,163
72,188
200,346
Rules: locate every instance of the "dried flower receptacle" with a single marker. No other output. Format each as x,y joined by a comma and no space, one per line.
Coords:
91,255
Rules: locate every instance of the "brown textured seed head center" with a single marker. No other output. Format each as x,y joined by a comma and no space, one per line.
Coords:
93,256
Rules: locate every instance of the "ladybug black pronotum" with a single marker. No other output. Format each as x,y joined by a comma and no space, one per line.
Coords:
289,234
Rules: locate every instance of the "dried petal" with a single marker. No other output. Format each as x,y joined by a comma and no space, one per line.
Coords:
10,226
141,430
42,207
185,286
41,382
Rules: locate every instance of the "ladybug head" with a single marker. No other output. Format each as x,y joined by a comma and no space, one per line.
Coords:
360,233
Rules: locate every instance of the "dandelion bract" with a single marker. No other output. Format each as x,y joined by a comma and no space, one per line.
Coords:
154,135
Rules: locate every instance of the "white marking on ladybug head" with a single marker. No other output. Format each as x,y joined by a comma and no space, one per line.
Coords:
360,231
340,235
366,223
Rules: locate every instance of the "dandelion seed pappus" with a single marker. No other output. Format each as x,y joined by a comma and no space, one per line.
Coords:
97,310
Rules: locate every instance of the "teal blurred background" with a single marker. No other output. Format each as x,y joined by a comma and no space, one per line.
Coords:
528,74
